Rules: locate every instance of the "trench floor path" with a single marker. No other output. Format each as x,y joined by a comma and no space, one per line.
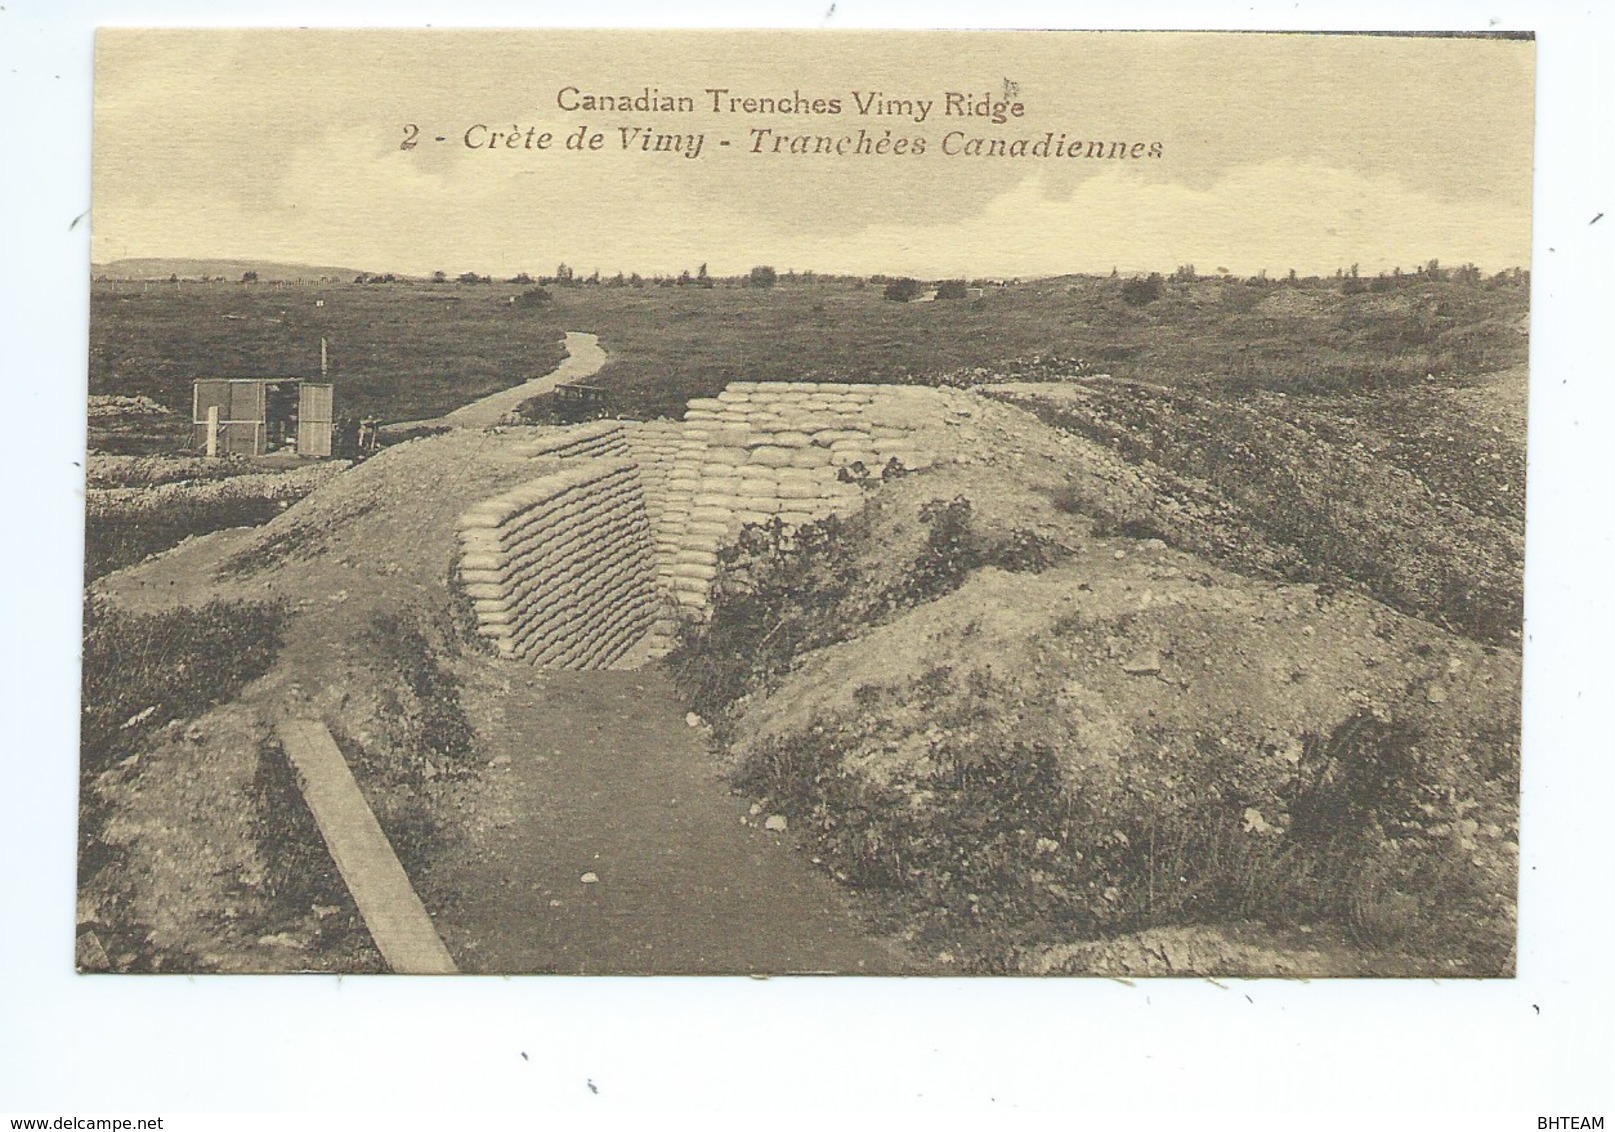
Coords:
605,777
584,357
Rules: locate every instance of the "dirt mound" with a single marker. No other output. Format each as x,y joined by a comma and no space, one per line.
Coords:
105,405
210,861
1105,658
103,471
1398,496
1035,728
386,523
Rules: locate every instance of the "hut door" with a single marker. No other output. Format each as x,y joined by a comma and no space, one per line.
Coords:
314,420
245,433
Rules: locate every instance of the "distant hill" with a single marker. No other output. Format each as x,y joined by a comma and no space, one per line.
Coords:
162,268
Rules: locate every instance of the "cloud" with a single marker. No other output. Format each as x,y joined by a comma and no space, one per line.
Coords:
354,198
1271,216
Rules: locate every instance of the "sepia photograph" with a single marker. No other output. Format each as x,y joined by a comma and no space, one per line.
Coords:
923,503
804,564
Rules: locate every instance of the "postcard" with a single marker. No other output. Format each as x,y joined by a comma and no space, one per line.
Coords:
866,503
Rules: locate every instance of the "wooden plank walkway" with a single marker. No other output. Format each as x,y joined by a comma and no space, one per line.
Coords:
393,913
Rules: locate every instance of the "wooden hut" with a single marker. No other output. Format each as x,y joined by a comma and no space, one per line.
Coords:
252,416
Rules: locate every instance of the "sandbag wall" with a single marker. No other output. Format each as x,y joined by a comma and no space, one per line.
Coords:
560,570
603,438
761,450
655,447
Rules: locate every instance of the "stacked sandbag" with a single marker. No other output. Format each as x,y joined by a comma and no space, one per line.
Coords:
862,424
772,449
653,445
560,570
599,438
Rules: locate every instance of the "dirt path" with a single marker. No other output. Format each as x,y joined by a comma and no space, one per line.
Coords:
584,357
605,778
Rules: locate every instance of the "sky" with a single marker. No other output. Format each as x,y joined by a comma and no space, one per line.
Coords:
1311,152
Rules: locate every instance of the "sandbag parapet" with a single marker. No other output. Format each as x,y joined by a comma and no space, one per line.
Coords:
560,570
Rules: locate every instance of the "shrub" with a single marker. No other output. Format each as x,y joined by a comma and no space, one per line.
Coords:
951,289
993,848
777,594
951,551
762,276
954,547
1141,292
780,594
902,290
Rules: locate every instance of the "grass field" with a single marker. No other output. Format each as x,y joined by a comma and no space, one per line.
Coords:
400,352
671,343
408,351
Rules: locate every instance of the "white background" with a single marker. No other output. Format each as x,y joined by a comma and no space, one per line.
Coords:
1414,1053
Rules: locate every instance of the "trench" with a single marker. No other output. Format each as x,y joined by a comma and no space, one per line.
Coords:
593,561
606,842
610,842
